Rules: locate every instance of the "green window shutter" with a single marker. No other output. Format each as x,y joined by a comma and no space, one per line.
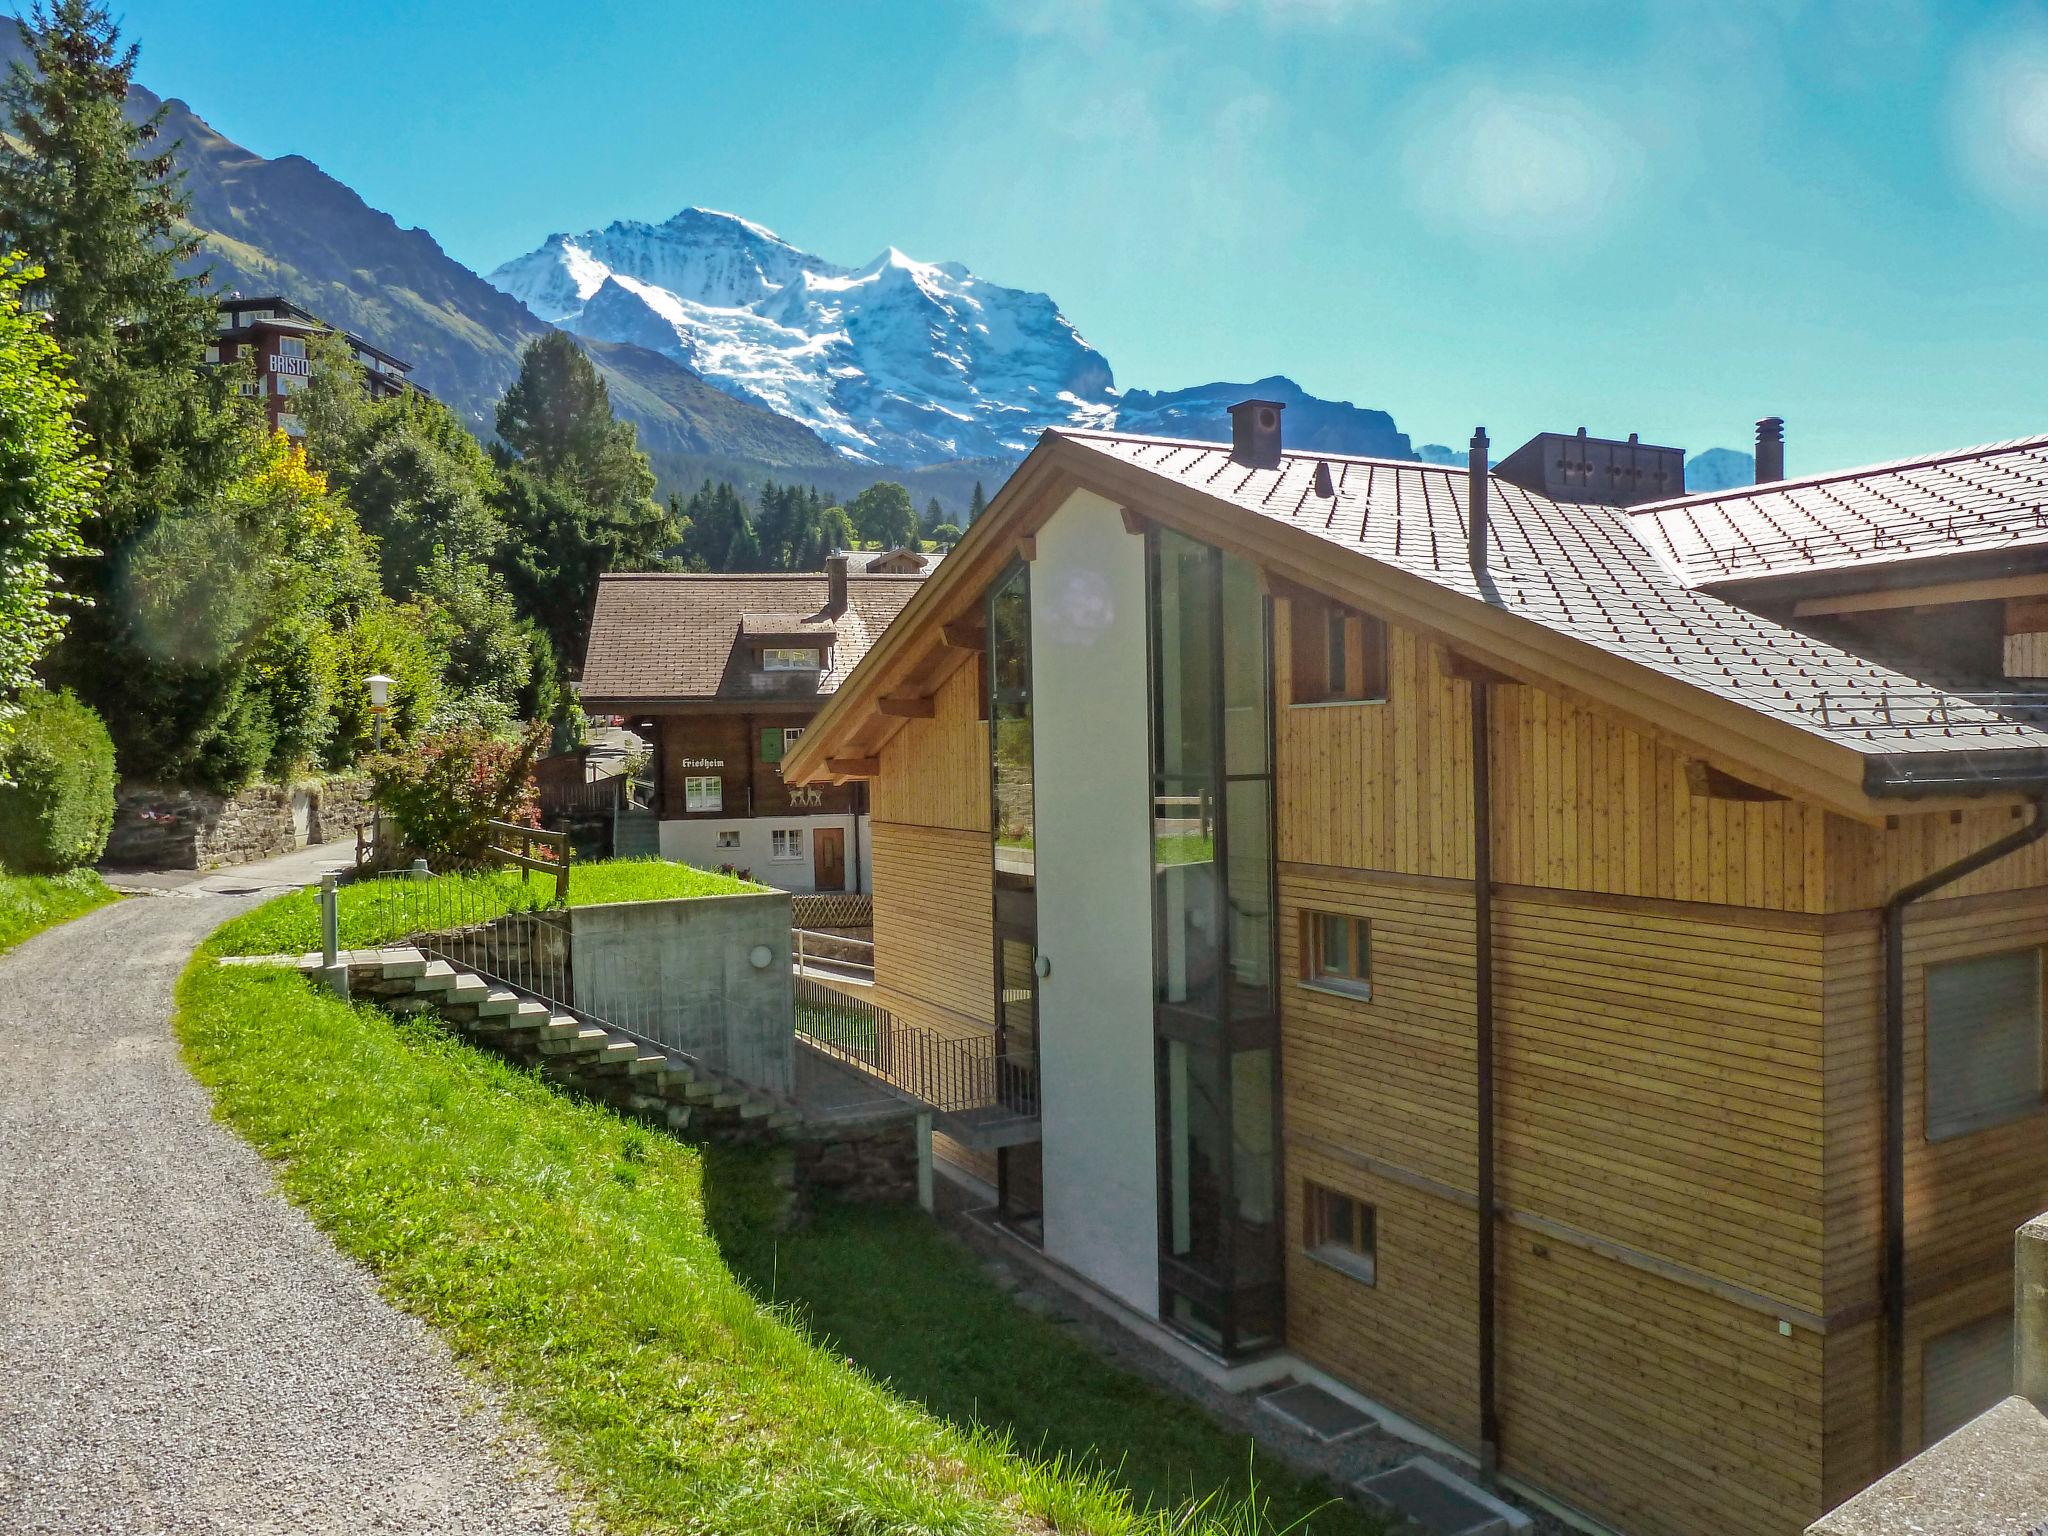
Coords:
771,744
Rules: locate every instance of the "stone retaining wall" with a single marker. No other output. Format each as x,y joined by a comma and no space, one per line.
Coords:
156,827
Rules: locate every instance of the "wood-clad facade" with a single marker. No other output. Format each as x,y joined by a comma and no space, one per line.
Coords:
1687,1019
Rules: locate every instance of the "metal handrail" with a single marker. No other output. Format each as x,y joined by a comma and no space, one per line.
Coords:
951,1074
803,940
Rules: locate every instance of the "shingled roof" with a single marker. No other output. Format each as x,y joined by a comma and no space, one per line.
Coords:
1972,501
662,638
1582,571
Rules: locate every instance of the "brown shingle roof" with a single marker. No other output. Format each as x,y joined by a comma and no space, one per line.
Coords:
1974,500
658,638
1583,572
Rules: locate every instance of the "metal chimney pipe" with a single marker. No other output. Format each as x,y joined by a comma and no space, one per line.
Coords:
1770,450
1477,484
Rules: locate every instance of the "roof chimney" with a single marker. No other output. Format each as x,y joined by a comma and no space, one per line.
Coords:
1477,485
1255,433
1770,450
835,594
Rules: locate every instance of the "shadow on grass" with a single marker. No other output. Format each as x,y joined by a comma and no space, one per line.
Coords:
891,1293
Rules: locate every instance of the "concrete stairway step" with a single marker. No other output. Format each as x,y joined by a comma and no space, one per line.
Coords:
586,1039
500,1003
649,1064
617,1051
466,991
434,976
400,964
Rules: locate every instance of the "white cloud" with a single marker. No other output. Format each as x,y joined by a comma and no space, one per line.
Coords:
1529,165
1999,115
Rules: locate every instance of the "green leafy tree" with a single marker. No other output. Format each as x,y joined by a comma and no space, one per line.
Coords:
882,514
425,506
976,505
945,535
444,788
48,484
96,202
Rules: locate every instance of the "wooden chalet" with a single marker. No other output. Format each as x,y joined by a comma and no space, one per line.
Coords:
1555,959
721,674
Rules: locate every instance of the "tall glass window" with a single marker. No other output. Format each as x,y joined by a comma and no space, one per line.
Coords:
1214,1011
1013,827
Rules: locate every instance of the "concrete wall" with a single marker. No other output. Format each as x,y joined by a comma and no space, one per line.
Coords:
683,973
696,842
1092,769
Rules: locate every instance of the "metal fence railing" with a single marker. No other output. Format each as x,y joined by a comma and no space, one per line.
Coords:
832,952
953,1075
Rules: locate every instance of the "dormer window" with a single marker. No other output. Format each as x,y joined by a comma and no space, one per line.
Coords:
777,658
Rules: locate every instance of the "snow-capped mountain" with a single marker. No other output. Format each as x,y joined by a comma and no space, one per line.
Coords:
899,361
1312,425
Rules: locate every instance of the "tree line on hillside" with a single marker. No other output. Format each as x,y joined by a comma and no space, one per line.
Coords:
218,593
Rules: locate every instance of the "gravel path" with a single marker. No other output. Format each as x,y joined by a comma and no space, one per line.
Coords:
181,1350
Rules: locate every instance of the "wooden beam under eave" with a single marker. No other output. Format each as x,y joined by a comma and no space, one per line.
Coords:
853,767
1135,523
964,635
907,706
1027,548
2034,584
1710,783
1465,670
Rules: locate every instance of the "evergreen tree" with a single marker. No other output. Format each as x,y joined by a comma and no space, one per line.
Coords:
557,545
96,202
557,417
716,517
976,505
934,515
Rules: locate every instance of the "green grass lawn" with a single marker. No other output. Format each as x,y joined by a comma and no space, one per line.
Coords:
31,903
377,911
692,1368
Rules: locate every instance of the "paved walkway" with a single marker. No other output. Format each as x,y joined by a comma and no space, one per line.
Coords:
180,1349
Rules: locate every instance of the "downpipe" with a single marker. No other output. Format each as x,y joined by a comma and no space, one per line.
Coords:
1892,1279
1482,978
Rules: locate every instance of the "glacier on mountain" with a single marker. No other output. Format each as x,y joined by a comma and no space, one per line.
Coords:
899,361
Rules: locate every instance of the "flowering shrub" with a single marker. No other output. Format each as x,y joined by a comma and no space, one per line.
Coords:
442,790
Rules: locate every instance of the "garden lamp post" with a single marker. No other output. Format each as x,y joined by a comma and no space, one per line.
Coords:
380,701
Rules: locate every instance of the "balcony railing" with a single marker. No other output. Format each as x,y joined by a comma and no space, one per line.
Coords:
955,1076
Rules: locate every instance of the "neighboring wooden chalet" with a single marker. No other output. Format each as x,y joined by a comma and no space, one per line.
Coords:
721,674
1328,850
273,335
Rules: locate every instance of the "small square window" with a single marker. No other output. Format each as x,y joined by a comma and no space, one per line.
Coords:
729,839
1342,1232
703,794
791,735
786,843
1983,1042
1338,655
1336,952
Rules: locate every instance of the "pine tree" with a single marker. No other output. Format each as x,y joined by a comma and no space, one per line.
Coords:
976,505
557,417
934,514
98,203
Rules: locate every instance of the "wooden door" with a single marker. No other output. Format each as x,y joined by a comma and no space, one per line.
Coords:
828,858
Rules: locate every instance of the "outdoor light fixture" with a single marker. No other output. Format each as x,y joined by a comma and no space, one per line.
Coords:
759,956
380,700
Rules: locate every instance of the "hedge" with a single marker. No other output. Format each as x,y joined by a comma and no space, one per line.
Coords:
56,785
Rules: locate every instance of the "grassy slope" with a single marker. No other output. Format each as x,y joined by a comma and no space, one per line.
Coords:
697,1371
31,903
291,924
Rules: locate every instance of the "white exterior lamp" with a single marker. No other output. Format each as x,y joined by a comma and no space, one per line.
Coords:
380,701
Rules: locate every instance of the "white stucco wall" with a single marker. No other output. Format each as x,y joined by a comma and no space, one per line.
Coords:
696,842
1090,782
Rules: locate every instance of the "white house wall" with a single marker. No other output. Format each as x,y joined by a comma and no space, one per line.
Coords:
696,842
1091,775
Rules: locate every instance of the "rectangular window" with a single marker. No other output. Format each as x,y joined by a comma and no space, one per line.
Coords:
777,658
791,735
786,844
1339,655
1342,1232
1983,1042
1962,1373
706,794
1336,952
291,346
729,839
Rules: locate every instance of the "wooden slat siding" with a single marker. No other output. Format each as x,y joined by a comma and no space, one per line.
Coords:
1391,1078
1852,1411
934,935
1581,802
1410,1340
1661,1086
1656,1407
1866,864
935,771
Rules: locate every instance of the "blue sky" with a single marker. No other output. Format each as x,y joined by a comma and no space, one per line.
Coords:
1665,218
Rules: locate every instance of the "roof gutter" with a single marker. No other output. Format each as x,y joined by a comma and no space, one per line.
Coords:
1994,770
1892,1276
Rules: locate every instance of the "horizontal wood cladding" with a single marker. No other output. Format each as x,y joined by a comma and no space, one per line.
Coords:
1581,802
1660,1075
728,747
934,932
1660,1085
1964,1195
1410,1339
1656,1407
934,772
1393,1077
